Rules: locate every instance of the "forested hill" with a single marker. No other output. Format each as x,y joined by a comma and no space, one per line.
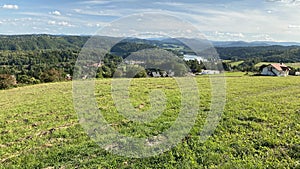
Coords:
25,43
263,53
270,53
41,42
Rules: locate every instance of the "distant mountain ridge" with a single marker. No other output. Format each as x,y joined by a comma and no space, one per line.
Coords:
252,44
233,43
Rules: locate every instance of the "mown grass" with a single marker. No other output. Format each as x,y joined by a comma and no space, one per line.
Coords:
259,128
233,63
236,63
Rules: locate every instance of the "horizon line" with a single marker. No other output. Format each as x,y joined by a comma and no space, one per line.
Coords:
82,35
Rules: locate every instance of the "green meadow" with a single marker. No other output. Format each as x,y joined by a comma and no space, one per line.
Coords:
259,127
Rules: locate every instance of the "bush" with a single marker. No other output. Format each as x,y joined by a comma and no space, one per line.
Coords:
7,81
135,71
27,79
51,75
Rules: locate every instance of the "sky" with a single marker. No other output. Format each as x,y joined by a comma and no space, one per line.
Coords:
222,20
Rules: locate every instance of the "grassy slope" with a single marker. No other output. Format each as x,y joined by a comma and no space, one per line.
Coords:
260,127
236,63
294,65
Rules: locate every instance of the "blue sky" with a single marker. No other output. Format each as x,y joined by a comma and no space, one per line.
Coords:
248,20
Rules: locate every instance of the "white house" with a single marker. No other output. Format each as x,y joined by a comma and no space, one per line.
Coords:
275,69
210,72
156,74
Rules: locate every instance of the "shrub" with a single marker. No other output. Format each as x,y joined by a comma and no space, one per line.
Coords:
27,79
51,75
7,81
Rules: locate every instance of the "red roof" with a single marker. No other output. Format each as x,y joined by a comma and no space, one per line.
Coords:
280,66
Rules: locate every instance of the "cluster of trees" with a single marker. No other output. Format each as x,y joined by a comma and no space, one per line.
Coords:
247,66
31,67
7,81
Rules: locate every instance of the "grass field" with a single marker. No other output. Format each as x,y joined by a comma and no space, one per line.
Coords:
294,65
233,63
236,63
259,127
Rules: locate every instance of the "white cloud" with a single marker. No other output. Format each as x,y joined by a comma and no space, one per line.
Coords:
98,13
51,22
61,23
262,37
96,24
10,6
95,2
286,2
89,25
229,35
169,3
57,13
64,23
294,26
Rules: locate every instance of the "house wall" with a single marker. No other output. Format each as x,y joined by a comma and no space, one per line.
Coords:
278,73
210,72
284,73
268,71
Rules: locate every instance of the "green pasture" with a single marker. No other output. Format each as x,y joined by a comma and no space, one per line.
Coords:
259,127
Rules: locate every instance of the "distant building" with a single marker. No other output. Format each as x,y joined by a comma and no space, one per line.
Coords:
68,77
210,72
134,62
156,74
193,57
171,74
276,69
161,73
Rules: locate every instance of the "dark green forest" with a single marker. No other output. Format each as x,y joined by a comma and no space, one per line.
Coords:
32,59
263,53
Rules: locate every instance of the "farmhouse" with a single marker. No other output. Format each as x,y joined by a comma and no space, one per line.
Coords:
210,72
276,69
156,74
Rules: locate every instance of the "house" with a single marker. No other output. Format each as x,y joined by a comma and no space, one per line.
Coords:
276,69
210,72
156,74
134,62
68,77
170,73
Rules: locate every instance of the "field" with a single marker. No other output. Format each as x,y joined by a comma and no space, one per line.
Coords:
259,127
236,63
294,65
